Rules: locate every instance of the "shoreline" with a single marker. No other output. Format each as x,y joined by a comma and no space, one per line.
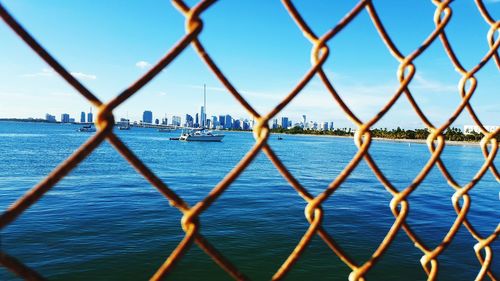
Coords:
417,141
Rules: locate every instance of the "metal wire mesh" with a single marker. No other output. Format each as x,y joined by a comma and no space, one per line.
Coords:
399,204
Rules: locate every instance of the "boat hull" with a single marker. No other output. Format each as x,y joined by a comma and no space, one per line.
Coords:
214,138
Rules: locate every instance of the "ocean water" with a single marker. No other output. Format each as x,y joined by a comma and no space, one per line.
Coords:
105,222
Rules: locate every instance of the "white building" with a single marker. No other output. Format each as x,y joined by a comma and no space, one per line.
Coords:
468,129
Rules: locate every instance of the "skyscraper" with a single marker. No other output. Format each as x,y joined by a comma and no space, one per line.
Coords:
203,117
284,122
50,118
304,120
147,117
228,123
90,118
215,123
189,121
82,117
176,120
196,123
65,118
275,123
222,120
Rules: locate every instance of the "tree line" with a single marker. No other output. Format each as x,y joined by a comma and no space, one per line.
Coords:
453,134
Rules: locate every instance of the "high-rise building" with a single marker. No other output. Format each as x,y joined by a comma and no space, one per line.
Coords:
284,122
222,121
196,123
275,124
236,124
325,126
290,123
203,117
228,123
157,121
215,122
65,118
331,126
176,120
189,121
90,117
82,117
147,117
304,120
50,118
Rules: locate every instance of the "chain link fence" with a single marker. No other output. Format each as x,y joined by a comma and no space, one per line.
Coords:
314,213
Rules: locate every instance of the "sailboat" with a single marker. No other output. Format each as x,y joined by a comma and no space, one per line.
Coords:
201,134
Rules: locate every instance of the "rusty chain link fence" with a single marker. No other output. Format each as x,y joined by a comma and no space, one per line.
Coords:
399,204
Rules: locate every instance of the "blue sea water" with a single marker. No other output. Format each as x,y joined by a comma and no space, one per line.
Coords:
104,221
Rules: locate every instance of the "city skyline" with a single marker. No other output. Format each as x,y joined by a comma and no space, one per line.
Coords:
264,65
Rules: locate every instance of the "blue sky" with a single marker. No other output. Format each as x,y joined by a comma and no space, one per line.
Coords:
108,44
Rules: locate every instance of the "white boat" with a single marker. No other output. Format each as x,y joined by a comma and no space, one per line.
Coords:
200,135
87,129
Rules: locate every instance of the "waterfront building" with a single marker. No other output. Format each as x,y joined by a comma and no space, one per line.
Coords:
215,122
228,124
147,117
90,117
196,123
246,125
50,118
176,120
222,120
275,124
71,120
331,126
289,123
284,122
304,120
189,121
157,121
82,117
203,117
208,123
164,121
325,126
65,118
237,124
469,129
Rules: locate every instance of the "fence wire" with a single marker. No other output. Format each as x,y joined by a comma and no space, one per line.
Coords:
314,213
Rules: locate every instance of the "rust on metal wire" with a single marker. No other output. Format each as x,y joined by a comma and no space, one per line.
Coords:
399,205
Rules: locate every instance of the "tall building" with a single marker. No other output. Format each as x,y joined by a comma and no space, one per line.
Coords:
284,122
228,123
147,117
331,126
196,123
203,117
304,120
275,124
325,126
237,124
215,123
82,117
50,118
90,117
189,121
176,120
65,118
222,121
290,123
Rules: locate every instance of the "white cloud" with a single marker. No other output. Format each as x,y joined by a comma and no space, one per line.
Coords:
143,64
49,72
84,76
161,94
45,72
419,82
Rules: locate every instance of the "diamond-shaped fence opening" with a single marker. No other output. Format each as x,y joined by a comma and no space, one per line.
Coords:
314,212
